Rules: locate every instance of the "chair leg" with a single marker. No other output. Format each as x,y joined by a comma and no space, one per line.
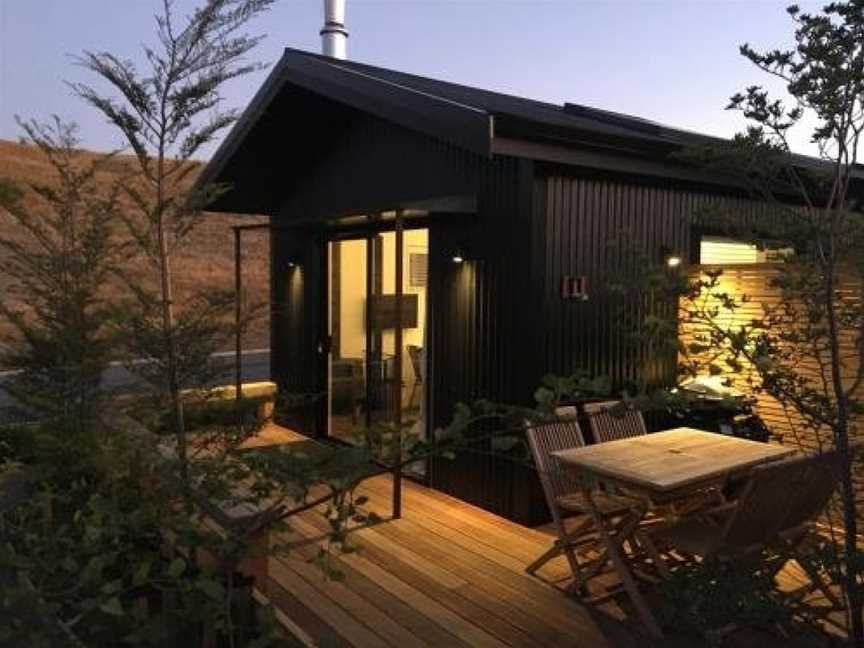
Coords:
569,540
553,551
817,580
654,554
565,543
797,549
623,527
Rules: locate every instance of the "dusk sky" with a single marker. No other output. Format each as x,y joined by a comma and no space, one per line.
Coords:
674,61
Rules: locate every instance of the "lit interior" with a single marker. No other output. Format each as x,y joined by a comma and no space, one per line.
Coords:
351,367
718,250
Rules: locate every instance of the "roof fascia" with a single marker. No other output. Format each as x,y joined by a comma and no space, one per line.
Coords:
604,161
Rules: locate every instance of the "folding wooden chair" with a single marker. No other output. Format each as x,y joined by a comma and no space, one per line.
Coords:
563,491
609,426
799,534
777,509
747,525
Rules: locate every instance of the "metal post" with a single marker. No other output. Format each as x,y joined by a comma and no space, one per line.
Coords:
238,314
370,269
397,414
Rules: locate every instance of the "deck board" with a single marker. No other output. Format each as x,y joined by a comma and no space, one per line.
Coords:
446,574
459,609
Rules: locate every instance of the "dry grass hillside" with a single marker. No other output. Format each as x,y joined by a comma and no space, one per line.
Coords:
207,260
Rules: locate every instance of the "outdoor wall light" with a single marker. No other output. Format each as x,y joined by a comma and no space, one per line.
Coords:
458,255
672,259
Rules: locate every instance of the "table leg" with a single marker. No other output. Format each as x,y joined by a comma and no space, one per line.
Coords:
621,567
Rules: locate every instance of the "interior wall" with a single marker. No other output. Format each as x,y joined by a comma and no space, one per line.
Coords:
352,298
417,241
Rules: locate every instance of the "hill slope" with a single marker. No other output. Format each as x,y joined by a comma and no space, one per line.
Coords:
206,261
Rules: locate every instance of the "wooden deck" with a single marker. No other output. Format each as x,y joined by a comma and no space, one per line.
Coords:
446,574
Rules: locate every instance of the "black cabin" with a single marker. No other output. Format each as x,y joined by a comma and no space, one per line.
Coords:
434,243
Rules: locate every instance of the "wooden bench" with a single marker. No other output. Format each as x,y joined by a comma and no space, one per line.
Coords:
263,391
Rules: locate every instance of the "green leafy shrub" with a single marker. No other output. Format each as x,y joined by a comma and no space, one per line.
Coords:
713,595
216,413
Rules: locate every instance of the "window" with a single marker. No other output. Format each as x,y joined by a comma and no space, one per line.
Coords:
721,250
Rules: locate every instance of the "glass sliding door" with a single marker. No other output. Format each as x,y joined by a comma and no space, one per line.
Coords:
365,384
347,330
382,387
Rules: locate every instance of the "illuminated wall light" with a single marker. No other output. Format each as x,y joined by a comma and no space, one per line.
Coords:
458,255
671,258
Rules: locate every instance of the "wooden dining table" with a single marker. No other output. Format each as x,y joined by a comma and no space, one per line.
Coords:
657,469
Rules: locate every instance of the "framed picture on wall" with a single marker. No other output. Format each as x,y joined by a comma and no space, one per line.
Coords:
418,269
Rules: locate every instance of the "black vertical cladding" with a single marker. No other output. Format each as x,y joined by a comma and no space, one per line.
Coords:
485,338
372,166
366,166
498,320
298,289
593,225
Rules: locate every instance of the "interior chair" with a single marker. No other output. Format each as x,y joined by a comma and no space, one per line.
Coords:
564,493
348,386
416,354
608,424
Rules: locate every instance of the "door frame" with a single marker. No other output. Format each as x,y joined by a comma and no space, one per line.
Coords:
369,231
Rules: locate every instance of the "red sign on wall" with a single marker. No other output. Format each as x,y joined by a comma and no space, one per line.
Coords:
574,287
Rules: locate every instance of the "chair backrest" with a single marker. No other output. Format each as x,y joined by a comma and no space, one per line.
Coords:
816,490
414,353
609,425
773,491
546,438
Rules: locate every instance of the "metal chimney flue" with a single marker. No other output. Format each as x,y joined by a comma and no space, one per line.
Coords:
334,36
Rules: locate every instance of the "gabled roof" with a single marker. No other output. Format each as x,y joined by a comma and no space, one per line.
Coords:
470,118
573,118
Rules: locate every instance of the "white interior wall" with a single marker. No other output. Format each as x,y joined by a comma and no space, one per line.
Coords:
352,277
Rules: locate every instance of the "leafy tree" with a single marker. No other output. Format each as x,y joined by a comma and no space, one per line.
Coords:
57,260
805,349
819,318
166,115
94,544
